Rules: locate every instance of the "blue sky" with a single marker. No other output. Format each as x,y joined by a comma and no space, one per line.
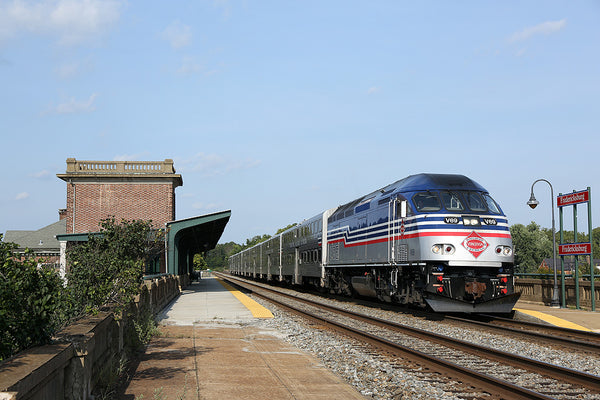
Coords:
278,110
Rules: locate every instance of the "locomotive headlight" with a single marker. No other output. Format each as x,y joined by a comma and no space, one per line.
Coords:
470,221
443,249
504,250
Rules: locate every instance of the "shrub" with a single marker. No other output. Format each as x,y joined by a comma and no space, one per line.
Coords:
107,269
32,301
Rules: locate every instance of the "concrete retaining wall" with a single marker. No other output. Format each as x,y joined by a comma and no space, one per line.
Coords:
70,368
540,291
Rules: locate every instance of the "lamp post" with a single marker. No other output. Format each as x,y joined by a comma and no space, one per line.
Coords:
533,204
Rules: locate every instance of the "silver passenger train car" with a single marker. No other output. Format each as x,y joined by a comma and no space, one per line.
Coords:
429,239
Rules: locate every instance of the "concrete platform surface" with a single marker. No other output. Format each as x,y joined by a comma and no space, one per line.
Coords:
565,317
211,347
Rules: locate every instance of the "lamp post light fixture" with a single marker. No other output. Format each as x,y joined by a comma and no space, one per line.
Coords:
533,203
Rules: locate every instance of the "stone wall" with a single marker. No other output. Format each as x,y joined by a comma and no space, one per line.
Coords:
540,291
71,366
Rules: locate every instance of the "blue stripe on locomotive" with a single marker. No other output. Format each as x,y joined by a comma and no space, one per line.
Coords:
407,188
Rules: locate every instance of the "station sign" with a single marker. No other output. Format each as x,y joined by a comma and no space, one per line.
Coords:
573,198
574,249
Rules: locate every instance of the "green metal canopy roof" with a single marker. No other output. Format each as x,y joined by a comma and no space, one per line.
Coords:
184,238
191,236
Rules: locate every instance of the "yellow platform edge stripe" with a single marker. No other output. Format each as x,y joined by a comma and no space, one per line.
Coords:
256,309
554,320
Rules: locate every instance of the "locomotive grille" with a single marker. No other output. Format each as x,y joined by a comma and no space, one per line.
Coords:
334,252
402,253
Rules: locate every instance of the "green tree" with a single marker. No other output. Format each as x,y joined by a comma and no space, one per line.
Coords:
199,262
286,228
217,259
32,301
531,245
256,240
107,269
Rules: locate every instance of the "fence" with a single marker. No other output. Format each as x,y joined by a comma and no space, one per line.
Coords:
540,291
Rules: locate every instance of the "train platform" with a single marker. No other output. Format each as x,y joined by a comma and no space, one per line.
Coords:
564,317
212,346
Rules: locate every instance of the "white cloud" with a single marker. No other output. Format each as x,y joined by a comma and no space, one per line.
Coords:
131,157
201,206
22,196
178,35
71,69
545,28
71,21
225,7
373,90
73,106
210,165
41,174
189,66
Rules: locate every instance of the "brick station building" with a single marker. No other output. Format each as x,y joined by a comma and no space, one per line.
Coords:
125,190
135,190
142,190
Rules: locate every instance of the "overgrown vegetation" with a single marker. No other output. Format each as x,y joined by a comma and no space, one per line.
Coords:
33,303
105,270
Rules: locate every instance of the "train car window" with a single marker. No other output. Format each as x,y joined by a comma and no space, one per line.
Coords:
452,201
492,206
475,202
427,201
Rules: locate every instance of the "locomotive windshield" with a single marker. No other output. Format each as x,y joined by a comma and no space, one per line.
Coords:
452,201
475,202
427,202
455,202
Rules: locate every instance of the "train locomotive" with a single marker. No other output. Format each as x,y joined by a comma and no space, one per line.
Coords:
430,240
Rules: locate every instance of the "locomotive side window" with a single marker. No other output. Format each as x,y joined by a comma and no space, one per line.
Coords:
475,202
427,201
452,201
492,206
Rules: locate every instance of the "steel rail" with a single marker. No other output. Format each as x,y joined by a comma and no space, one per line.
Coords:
586,380
585,341
592,337
486,383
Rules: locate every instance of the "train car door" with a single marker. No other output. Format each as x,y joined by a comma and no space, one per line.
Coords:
297,275
397,246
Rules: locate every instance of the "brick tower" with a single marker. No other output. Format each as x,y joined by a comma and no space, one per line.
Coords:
124,189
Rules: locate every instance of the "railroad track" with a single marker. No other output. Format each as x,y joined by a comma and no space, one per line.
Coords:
563,337
493,373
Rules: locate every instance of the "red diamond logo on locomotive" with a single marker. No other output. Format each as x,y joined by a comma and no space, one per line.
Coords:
475,244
